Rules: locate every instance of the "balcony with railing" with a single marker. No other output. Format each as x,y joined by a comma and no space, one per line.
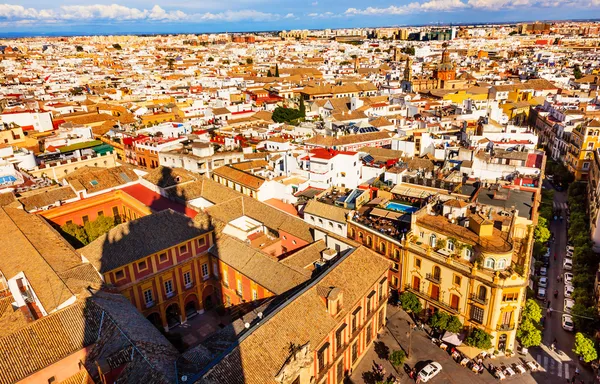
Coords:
436,300
505,327
479,299
434,278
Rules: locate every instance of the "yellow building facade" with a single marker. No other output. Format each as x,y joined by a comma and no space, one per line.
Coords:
585,139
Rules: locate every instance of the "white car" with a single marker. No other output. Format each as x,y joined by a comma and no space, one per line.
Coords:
543,271
570,248
567,322
568,290
569,303
429,371
541,293
543,282
568,264
568,278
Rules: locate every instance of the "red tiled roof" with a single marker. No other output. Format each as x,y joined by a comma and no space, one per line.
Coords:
322,153
285,207
155,201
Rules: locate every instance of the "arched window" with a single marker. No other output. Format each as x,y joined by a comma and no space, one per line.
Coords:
468,253
437,272
382,248
397,254
360,235
501,264
482,292
369,241
450,245
432,240
489,263
352,233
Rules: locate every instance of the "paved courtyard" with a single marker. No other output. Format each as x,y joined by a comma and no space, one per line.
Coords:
422,351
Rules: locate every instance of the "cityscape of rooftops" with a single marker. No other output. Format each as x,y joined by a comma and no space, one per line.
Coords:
319,192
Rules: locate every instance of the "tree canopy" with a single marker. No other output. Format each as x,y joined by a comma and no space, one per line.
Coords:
286,115
79,236
479,339
410,302
445,322
585,348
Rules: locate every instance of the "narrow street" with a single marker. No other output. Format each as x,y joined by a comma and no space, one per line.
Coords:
559,367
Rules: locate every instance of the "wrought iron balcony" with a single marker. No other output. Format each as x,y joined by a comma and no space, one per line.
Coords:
433,278
480,300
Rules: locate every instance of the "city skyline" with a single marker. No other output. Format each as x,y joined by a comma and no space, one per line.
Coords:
73,17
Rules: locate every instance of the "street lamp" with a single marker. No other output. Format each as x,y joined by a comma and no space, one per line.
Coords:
409,335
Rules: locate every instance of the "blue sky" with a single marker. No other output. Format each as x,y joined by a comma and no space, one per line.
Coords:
161,16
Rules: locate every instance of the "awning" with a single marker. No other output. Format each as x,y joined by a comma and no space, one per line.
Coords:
470,352
453,338
411,192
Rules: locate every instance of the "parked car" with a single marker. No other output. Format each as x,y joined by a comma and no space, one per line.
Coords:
568,264
429,371
541,293
568,290
543,282
569,303
568,278
570,248
544,271
567,322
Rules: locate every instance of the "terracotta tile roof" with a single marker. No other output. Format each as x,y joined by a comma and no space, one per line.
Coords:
31,246
136,239
238,176
258,266
307,256
47,197
330,141
94,179
81,377
326,211
7,198
299,321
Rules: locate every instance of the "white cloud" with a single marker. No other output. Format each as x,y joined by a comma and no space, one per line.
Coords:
116,12
315,3
455,5
289,16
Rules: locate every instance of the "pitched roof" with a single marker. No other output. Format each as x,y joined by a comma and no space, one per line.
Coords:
330,141
326,211
93,179
299,321
258,266
31,246
239,176
136,239
47,197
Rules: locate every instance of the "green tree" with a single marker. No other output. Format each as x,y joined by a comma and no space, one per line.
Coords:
211,59
439,320
79,48
98,227
479,339
577,72
249,60
532,311
74,234
276,70
302,108
170,62
117,46
410,302
512,33
585,348
269,74
397,358
286,115
454,325
529,334
541,232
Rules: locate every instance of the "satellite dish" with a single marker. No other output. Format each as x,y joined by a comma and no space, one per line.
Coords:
260,315
247,325
184,378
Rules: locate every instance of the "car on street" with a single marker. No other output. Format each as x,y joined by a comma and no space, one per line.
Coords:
568,264
568,278
543,282
429,371
567,322
568,290
544,271
570,248
541,293
569,303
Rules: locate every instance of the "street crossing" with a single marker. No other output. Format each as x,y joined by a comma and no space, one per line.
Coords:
554,367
